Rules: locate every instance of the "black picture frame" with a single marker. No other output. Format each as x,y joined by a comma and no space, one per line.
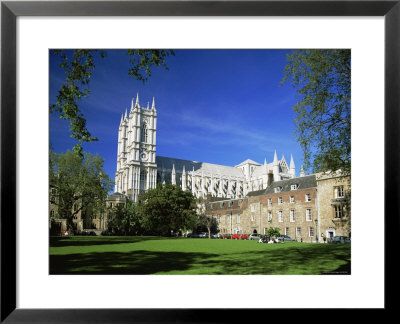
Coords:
10,10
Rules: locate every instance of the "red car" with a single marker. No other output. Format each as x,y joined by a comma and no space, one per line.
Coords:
240,237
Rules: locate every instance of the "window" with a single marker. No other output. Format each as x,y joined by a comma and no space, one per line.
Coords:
338,211
311,231
280,216
237,218
339,192
278,189
292,219
287,231
280,200
308,197
291,199
230,203
144,133
253,208
252,218
270,216
298,231
219,219
294,186
269,201
228,219
308,215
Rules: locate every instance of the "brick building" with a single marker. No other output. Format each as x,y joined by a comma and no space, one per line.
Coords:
305,208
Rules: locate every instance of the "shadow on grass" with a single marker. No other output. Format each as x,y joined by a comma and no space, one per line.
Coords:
56,241
307,260
137,262
295,260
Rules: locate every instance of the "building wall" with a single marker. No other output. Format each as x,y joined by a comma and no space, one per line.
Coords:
254,214
330,225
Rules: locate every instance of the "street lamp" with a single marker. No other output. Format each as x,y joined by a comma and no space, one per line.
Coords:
316,230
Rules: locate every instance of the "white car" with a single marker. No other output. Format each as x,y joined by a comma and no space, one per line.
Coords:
254,236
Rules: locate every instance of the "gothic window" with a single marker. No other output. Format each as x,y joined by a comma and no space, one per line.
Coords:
144,133
142,180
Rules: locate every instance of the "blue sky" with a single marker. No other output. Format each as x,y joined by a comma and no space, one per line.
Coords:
215,106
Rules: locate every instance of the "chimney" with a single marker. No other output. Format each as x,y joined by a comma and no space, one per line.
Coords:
270,178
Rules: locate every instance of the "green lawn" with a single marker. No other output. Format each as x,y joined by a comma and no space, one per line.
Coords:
193,256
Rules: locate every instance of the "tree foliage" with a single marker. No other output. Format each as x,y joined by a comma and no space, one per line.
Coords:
273,231
78,66
124,219
77,184
167,208
323,116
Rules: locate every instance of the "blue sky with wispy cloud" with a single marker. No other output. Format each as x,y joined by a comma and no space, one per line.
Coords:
215,106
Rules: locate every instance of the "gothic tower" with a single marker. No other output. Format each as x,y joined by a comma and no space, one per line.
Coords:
136,157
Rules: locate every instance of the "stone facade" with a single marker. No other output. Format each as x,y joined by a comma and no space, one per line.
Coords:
333,204
302,208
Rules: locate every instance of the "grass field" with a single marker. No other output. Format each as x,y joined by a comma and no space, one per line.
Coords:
193,256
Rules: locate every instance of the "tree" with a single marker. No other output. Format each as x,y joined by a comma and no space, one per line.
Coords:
78,183
323,125
273,231
206,223
79,66
167,208
124,219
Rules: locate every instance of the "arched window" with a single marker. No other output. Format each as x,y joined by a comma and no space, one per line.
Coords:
144,133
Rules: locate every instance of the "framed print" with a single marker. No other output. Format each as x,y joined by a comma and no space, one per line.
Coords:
29,29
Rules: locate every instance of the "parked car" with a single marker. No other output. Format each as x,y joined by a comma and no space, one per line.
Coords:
254,236
214,235
239,237
225,236
203,235
194,235
285,238
340,240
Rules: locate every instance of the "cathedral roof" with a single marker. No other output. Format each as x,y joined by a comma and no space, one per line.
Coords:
248,161
207,169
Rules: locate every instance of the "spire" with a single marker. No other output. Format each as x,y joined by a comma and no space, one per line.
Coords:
153,105
183,178
265,161
126,113
148,105
137,100
302,172
122,118
275,158
173,176
133,103
291,162
292,168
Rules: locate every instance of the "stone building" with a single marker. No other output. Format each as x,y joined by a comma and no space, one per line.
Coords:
334,197
139,169
307,208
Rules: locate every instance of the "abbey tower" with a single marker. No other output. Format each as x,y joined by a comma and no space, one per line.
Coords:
136,157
